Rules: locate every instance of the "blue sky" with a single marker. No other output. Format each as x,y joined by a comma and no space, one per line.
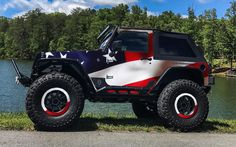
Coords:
13,8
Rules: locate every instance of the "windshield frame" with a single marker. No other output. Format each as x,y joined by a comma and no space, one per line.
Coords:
107,35
105,41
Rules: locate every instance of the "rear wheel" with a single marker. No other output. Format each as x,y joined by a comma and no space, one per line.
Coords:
145,110
183,104
54,101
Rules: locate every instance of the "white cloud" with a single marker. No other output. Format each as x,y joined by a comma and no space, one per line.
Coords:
113,2
184,16
152,13
65,6
204,1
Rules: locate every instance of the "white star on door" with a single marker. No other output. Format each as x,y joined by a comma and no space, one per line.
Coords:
109,59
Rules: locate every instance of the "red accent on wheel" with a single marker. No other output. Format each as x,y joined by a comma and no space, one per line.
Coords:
63,111
191,115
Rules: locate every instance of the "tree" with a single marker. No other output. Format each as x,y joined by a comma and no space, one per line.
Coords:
192,25
22,37
168,21
4,24
118,13
231,31
61,44
209,34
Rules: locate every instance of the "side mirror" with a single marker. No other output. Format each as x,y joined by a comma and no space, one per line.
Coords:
117,45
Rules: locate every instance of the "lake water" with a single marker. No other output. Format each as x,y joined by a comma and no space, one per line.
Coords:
222,97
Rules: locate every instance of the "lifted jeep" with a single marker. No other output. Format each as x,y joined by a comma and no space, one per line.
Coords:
163,74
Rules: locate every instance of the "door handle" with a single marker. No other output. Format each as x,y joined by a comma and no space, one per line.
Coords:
146,58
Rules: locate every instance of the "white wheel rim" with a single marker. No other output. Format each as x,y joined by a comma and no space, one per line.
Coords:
50,90
182,95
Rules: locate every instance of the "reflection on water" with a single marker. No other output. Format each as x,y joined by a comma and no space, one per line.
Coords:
222,98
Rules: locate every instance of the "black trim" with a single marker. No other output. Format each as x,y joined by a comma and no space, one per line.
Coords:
99,83
104,96
103,32
136,51
42,66
168,77
199,57
111,39
155,30
119,98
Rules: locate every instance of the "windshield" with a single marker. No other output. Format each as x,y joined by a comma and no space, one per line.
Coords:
105,41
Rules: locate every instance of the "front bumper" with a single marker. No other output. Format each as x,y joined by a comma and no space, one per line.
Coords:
20,78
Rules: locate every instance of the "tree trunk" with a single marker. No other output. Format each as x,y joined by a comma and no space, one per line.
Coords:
231,63
233,59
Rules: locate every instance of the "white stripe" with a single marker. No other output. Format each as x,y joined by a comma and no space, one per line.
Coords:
135,71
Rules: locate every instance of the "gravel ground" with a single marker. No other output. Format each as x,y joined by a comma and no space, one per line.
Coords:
114,139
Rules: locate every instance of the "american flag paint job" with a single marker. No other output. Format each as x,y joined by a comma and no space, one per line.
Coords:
125,68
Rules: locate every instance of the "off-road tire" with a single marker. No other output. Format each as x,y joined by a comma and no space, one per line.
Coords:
42,120
143,110
166,108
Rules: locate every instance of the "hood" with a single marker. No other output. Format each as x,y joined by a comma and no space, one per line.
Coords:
89,60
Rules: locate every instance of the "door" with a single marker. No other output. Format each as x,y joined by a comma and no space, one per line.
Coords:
134,66
137,69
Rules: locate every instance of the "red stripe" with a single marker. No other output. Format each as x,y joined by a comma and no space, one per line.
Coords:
143,83
123,91
134,92
111,91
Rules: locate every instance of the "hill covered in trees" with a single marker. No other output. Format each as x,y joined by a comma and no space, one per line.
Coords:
22,37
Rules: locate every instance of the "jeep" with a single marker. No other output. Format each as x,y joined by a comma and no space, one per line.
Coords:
163,74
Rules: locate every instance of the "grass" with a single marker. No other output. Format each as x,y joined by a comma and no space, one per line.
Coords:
94,122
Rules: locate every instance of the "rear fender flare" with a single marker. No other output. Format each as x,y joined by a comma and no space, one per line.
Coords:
176,73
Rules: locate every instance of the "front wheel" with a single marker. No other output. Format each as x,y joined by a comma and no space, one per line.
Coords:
54,101
183,104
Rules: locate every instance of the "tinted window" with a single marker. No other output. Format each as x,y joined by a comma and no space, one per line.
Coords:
134,41
169,46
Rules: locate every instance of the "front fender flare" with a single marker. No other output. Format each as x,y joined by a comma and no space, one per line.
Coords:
71,67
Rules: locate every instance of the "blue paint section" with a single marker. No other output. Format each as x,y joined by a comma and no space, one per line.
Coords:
91,61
